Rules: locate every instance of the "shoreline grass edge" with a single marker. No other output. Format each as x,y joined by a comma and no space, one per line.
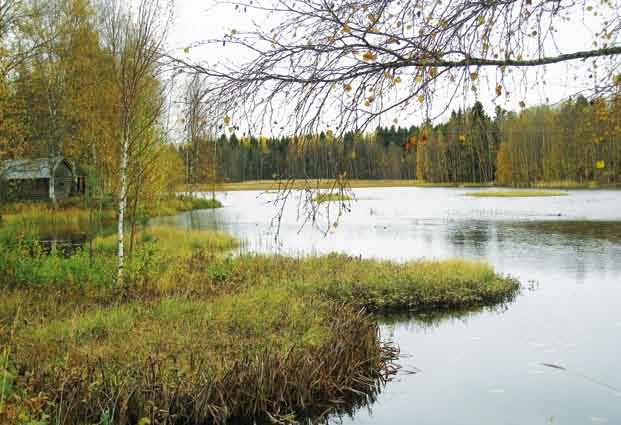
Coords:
196,331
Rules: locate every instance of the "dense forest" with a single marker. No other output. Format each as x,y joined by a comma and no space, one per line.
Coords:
62,85
580,140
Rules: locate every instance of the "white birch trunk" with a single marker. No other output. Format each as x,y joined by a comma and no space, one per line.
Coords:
122,206
52,189
52,183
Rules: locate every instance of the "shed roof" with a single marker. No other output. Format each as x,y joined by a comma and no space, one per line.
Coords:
27,169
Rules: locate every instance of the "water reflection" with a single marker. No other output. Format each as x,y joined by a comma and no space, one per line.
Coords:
63,238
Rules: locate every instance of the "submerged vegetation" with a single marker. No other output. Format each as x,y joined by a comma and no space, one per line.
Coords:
572,229
515,193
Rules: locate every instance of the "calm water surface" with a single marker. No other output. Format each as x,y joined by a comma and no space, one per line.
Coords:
486,367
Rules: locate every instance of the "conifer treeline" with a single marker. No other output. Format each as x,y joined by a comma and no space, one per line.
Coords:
579,140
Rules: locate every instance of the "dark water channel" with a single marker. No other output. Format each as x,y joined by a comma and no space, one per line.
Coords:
551,357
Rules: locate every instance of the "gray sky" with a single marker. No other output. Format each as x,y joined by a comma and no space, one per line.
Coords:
197,20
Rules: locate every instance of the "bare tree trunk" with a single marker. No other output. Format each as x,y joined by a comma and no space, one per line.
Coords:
122,206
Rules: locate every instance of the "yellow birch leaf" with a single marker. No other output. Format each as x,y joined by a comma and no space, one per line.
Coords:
369,56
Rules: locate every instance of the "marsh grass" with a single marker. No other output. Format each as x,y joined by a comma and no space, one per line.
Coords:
156,249
198,337
172,241
44,215
173,205
568,184
73,210
260,353
515,193
324,184
329,183
215,339
376,286
320,198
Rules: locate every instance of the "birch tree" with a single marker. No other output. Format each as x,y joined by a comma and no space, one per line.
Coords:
195,124
135,38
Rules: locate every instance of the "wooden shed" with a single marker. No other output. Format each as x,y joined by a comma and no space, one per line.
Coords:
36,179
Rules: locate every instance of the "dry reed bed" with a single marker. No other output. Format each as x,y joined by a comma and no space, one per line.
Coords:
258,354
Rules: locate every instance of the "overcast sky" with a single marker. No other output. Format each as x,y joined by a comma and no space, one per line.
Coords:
197,20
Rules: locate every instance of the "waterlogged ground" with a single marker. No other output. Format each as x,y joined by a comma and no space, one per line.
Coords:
552,357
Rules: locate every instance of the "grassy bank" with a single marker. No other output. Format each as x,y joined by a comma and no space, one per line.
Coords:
270,185
376,286
258,354
212,339
515,193
174,205
322,184
573,184
74,211
195,336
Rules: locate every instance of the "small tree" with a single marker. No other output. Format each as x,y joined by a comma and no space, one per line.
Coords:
135,38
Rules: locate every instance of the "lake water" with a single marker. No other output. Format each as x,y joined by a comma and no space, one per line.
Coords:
486,367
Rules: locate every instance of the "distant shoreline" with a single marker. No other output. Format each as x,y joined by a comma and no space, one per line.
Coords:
331,183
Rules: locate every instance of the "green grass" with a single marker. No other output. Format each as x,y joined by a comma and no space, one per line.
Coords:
221,338
320,198
72,211
45,215
171,241
155,250
568,184
174,205
515,193
378,286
